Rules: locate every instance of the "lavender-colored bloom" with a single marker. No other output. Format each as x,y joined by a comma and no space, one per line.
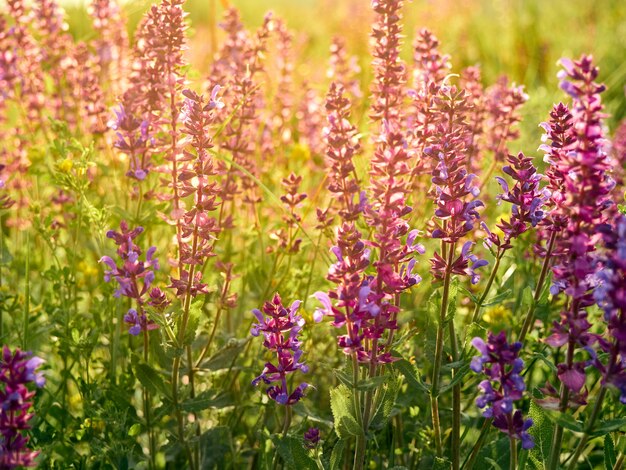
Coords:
280,327
581,189
134,276
504,385
356,303
312,438
610,294
456,214
526,198
17,370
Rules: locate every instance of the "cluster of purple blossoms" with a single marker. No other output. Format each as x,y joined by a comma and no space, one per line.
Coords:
610,294
527,201
134,276
134,139
500,362
17,370
455,215
312,438
582,173
280,327
356,303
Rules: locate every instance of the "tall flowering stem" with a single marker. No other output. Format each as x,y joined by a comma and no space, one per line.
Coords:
610,295
342,146
430,68
389,186
500,362
17,371
558,131
527,201
280,327
454,218
196,179
587,186
134,278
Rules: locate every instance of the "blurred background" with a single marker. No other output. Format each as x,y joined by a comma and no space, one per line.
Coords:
521,38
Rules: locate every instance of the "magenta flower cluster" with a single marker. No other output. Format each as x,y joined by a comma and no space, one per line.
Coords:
453,190
280,327
504,385
526,197
134,276
582,196
610,294
17,371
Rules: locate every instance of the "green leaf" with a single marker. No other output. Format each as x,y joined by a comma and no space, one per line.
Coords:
151,379
538,356
134,430
542,431
497,299
208,399
386,402
412,375
442,464
341,405
459,374
226,356
195,312
609,453
344,378
216,448
605,427
336,457
564,420
371,383
293,453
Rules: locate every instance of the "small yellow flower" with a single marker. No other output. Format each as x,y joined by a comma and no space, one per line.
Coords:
497,315
65,166
300,152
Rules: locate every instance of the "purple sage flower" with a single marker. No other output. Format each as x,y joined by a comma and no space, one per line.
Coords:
280,327
133,276
504,385
17,371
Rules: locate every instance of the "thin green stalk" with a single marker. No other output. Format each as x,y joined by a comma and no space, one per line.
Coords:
359,452
530,315
513,459
592,420
434,392
555,452
455,443
471,459
287,423
619,464
26,294
147,404
492,277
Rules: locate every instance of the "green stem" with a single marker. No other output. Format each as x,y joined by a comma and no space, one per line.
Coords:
471,459
592,420
492,277
147,404
455,443
359,452
619,464
513,460
287,423
434,393
555,453
530,315
26,310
